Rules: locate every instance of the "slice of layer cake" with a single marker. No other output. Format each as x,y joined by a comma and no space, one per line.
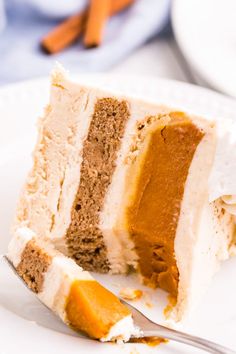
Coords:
119,183
73,294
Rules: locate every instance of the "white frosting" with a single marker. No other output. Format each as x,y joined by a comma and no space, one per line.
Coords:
223,176
202,239
17,244
122,331
222,182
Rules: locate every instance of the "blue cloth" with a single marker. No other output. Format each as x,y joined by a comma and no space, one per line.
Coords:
24,23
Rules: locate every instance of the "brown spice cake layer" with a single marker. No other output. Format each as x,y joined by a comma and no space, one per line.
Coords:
153,213
34,263
84,238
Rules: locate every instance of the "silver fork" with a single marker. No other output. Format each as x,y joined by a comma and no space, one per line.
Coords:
151,329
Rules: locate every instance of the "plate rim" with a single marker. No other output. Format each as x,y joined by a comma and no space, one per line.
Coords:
200,70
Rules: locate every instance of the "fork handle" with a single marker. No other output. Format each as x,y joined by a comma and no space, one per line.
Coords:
185,338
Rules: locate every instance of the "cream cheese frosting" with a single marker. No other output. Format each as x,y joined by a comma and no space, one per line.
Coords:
202,244
187,233
18,243
222,181
122,331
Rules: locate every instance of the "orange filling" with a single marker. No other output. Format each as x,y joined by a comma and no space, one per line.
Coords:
151,341
154,207
93,309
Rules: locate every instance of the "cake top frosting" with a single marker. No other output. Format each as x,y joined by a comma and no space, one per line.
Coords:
222,181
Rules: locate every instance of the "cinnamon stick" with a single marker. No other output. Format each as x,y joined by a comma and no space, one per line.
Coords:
69,30
64,34
98,14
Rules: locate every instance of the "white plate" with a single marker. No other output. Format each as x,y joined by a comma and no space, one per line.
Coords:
206,33
25,325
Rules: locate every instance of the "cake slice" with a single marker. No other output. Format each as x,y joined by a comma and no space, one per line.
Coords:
72,293
121,184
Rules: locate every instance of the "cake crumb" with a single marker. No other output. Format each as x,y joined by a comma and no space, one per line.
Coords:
151,341
149,304
130,294
169,307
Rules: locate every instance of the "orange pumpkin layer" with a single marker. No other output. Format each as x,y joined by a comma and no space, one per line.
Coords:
153,210
93,309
